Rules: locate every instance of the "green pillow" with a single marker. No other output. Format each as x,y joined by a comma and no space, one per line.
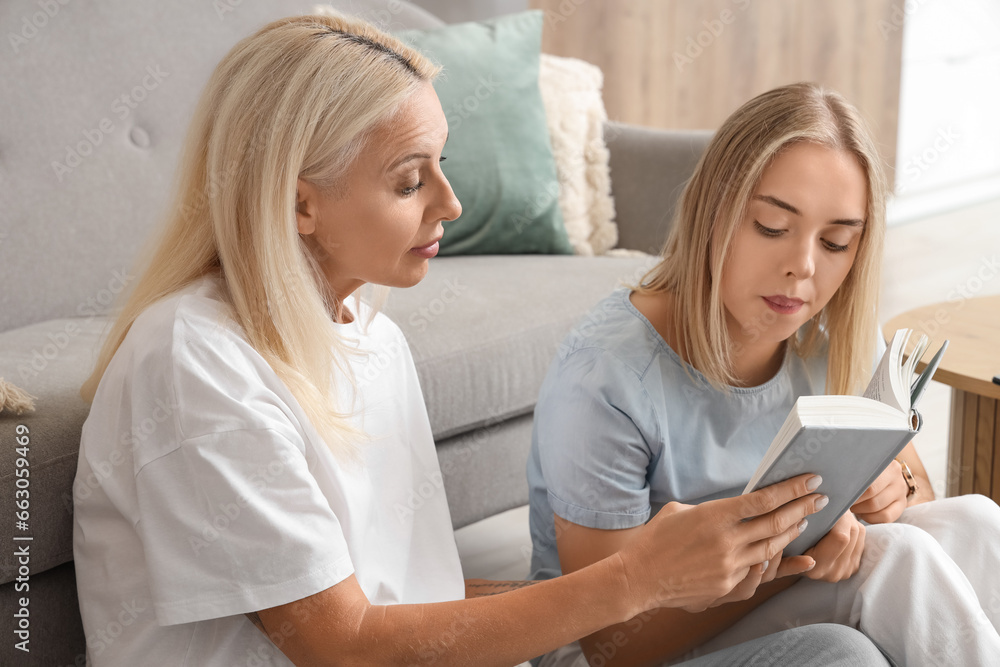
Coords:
500,160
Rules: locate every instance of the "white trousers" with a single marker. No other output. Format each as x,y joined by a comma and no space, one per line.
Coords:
928,591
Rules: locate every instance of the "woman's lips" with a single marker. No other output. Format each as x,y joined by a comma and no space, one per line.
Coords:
427,251
783,304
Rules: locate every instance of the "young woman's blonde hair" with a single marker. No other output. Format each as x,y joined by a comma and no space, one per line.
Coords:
298,99
715,202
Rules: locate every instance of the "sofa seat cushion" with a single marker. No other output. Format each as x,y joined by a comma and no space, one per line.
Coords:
49,360
484,329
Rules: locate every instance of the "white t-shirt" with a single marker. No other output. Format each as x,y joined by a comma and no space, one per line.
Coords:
203,492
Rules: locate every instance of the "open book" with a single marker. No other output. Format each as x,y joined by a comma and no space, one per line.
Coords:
849,440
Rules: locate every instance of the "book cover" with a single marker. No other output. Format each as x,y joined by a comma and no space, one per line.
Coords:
848,440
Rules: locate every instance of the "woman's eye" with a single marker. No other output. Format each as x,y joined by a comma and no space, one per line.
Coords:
833,247
767,231
407,191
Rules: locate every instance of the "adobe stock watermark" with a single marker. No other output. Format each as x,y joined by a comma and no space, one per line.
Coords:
777,648
383,19
590,493
55,343
216,183
543,200
915,166
950,644
451,292
433,482
103,638
32,24
695,45
561,14
379,361
121,107
898,16
598,315
229,512
668,590
223,7
84,487
463,109
266,653
429,651
986,272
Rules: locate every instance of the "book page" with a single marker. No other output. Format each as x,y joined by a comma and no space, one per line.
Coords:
881,388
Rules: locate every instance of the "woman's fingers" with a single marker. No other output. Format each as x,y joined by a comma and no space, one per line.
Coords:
780,520
771,571
848,563
885,515
794,565
771,545
745,589
884,505
835,553
859,548
882,499
770,498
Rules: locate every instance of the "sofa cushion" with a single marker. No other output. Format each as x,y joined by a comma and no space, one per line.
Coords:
484,329
50,360
480,346
500,161
574,111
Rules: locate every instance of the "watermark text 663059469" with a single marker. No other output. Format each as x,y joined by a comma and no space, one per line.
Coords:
22,538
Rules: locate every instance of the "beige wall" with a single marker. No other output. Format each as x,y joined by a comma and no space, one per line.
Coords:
689,64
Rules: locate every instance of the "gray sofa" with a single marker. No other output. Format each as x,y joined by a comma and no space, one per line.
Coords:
95,100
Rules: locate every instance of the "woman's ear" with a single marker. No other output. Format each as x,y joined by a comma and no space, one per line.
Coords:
306,206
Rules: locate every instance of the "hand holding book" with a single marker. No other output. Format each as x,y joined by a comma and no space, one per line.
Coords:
838,552
849,440
885,499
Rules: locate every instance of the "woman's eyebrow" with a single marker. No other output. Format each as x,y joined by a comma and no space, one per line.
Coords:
412,156
774,201
406,158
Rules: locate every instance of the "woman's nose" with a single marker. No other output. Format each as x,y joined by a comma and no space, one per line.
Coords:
449,206
801,259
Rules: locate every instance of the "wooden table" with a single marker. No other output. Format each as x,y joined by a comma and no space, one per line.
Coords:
972,359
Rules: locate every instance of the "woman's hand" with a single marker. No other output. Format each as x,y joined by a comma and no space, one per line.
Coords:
694,557
838,554
774,568
779,567
885,499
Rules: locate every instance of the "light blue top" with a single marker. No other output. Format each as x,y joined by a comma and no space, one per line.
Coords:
621,429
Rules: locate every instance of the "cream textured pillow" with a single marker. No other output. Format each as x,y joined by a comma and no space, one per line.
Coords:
574,109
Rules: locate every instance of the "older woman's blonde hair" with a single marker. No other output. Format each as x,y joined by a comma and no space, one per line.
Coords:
298,99
715,202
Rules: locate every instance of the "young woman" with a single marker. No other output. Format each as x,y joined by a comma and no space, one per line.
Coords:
242,514
672,392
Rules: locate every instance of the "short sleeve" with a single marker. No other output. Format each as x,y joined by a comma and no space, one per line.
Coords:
593,449
234,522
230,516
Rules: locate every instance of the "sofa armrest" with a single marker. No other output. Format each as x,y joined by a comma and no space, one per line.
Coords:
649,168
